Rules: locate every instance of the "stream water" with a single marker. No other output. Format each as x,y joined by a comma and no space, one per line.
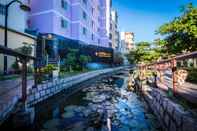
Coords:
104,104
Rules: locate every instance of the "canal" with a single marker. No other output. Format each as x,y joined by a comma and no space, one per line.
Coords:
102,104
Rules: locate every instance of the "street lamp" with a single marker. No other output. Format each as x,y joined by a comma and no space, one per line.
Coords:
22,7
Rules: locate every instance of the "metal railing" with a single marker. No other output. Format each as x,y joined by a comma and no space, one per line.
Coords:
24,59
169,64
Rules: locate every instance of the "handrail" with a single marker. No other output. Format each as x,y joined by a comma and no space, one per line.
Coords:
11,52
168,64
179,57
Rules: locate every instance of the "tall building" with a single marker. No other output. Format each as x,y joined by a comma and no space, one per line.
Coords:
72,23
114,30
105,21
17,24
81,20
126,42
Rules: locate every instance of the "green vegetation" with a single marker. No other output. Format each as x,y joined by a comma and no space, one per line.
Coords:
118,58
45,73
144,53
84,60
26,49
181,33
74,61
192,75
71,59
48,69
8,77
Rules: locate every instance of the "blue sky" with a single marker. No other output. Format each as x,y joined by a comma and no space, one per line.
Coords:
143,17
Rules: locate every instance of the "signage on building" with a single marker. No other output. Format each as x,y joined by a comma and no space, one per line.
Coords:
103,54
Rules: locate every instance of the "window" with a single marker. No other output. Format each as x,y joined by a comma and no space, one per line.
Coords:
99,41
110,26
64,23
84,15
92,24
110,36
2,9
92,36
84,30
85,2
92,11
64,4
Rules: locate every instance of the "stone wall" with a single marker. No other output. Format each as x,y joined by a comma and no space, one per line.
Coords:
49,89
171,115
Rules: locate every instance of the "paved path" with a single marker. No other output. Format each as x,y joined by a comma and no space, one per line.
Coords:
10,92
186,90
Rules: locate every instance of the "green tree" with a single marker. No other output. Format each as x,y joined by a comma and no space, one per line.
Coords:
144,53
26,49
83,59
181,33
118,58
71,59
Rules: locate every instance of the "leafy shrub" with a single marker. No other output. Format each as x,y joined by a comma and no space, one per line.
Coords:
192,76
48,69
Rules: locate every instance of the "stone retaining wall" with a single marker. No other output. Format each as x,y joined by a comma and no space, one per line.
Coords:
171,115
47,90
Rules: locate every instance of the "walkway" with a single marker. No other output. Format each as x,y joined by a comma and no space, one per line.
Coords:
186,90
10,92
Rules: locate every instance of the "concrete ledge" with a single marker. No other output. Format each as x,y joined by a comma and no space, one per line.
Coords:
47,90
171,115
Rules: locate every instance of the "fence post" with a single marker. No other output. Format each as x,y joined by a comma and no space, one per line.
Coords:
173,64
24,80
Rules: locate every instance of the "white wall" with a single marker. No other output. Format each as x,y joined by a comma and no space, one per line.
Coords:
16,17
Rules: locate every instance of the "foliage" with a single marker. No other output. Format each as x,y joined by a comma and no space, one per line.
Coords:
26,49
15,66
144,53
118,58
48,69
192,76
83,59
181,33
71,59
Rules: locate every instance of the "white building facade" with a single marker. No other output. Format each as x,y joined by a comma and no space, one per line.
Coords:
17,24
126,42
114,30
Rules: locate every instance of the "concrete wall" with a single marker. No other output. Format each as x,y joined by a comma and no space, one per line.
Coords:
44,91
15,40
171,115
16,17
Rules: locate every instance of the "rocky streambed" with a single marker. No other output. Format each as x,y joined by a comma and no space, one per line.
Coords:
106,104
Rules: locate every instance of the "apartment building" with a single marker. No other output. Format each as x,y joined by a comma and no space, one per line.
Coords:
126,42
80,22
83,20
114,33
17,24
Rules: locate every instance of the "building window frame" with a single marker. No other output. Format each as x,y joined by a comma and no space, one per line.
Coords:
84,15
92,36
64,4
85,2
84,31
64,23
2,9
